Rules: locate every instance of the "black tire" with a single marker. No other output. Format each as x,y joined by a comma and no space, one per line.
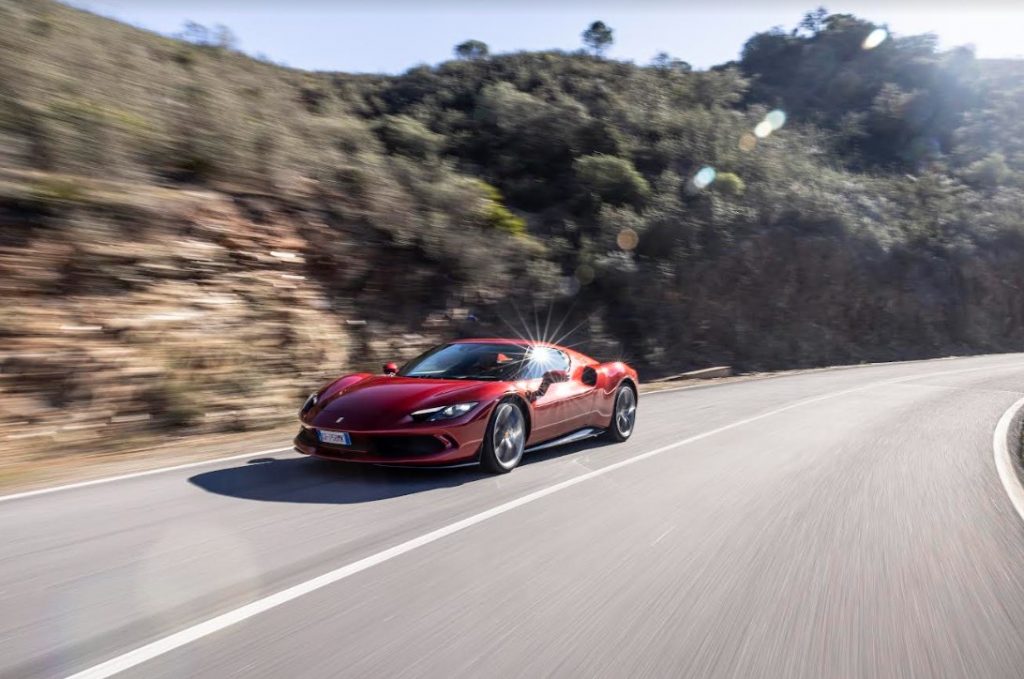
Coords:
623,420
505,438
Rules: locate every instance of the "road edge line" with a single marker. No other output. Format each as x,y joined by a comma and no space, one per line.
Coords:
1006,464
133,475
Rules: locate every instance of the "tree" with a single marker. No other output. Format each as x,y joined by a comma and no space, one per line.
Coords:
195,33
471,50
664,61
814,21
219,36
598,38
661,60
224,37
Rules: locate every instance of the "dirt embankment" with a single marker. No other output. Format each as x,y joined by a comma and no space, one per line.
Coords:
137,313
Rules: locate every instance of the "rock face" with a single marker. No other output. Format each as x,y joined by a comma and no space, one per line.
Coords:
156,312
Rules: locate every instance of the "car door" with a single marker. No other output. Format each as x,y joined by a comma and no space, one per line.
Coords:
552,413
579,396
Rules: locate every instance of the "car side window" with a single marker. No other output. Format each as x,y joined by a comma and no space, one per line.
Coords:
543,359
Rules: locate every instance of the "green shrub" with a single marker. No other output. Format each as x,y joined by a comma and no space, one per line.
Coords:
173,403
989,172
57,190
184,55
407,136
496,215
188,161
729,183
613,179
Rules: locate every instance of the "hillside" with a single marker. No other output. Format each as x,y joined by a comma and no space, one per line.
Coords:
191,239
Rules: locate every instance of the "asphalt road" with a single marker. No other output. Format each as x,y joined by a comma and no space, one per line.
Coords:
845,523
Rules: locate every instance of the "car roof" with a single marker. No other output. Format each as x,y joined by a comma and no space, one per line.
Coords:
520,342
502,340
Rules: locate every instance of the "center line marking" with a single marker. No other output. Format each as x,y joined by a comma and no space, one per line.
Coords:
662,536
224,620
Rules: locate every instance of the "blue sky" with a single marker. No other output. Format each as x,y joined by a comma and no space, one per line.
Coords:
393,35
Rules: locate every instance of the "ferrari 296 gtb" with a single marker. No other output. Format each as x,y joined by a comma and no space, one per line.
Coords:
479,401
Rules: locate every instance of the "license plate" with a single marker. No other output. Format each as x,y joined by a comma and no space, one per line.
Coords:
340,438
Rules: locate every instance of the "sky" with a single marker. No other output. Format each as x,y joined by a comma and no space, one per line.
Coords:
391,36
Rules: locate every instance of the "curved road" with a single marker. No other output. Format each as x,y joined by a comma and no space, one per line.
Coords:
844,523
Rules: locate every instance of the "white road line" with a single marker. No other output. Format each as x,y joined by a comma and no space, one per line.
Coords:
215,624
133,475
662,536
1004,457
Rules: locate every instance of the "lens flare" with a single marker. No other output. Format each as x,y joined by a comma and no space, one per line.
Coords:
776,119
763,129
584,274
875,38
704,177
627,239
747,142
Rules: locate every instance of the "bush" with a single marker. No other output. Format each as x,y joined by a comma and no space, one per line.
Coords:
496,215
613,179
729,183
989,172
56,189
407,136
173,403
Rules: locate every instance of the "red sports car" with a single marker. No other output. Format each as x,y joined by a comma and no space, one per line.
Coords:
479,401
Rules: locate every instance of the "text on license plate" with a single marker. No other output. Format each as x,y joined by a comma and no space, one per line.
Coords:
340,438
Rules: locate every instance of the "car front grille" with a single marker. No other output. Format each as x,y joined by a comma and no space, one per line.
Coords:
307,437
383,446
401,446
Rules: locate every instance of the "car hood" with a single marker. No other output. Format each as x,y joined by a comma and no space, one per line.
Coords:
382,402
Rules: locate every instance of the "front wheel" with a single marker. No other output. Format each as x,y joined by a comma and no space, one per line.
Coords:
623,414
505,439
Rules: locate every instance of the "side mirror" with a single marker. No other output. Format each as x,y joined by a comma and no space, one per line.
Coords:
549,378
390,369
553,376
589,377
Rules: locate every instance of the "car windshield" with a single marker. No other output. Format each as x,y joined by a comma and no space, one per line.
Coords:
485,361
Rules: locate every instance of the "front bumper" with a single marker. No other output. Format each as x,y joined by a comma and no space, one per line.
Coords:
412,448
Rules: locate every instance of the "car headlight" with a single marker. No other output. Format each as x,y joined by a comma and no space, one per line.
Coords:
310,402
443,412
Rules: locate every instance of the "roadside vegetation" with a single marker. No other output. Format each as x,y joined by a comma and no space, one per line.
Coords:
191,238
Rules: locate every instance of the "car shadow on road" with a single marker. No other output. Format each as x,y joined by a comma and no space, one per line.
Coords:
312,480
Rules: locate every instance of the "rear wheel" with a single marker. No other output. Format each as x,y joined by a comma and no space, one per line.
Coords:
505,439
623,414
